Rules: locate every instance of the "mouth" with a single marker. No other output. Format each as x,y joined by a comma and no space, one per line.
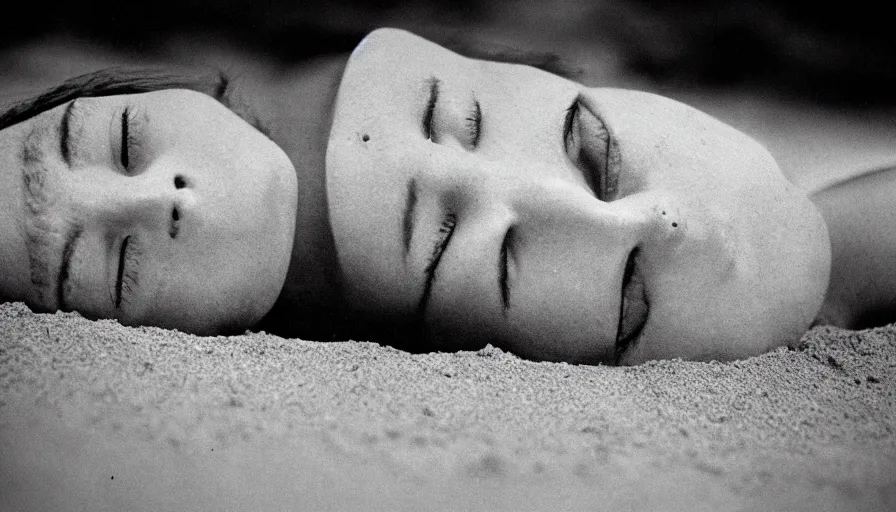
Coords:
634,307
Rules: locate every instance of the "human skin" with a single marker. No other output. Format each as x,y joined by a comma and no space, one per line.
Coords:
514,234
185,231
861,221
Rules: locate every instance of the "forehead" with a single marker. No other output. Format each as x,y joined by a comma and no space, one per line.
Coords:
178,118
391,56
188,108
401,52
194,124
391,70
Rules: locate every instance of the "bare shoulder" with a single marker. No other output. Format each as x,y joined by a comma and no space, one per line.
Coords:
860,213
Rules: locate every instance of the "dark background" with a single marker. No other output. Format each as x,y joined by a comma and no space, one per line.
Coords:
834,53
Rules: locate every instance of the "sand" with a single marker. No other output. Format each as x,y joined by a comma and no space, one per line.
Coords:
97,416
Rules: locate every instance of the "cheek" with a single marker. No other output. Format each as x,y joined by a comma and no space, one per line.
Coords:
355,175
365,187
13,257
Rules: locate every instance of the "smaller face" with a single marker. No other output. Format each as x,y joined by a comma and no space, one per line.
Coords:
474,201
163,208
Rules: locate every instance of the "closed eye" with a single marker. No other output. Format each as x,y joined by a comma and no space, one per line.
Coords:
65,134
569,122
125,138
474,124
446,230
122,264
503,280
429,113
127,278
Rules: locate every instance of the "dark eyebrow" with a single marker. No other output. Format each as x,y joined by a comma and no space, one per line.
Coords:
430,106
407,222
64,134
71,239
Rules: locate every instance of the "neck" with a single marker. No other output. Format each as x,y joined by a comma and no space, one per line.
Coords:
300,105
861,219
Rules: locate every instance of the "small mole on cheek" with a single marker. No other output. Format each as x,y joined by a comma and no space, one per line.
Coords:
664,212
365,137
674,224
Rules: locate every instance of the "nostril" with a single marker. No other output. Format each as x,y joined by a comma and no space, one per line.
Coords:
179,182
174,228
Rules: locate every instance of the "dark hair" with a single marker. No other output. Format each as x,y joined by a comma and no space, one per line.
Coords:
118,80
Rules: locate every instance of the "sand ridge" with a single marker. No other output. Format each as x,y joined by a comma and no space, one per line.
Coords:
214,421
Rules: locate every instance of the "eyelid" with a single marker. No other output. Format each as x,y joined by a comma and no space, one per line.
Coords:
75,142
474,124
125,138
129,124
429,112
127,277
506,254
65,133
72,238
446,231
572,114
122,263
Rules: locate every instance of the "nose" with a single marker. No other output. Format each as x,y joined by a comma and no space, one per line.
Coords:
150,201
557,211
564,211
546,204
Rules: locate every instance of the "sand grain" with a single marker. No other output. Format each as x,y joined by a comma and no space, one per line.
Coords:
98,416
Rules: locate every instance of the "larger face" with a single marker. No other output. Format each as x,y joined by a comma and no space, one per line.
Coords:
162,208
476,202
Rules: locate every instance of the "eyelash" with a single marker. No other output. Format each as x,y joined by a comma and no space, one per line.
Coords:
127,139
503,277
473,121
430,110
571,114
474,124
128,276
446,230
622,345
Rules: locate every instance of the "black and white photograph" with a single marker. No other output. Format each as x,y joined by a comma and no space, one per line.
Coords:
472,255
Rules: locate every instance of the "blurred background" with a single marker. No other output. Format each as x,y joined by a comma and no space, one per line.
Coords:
777,69
830,52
